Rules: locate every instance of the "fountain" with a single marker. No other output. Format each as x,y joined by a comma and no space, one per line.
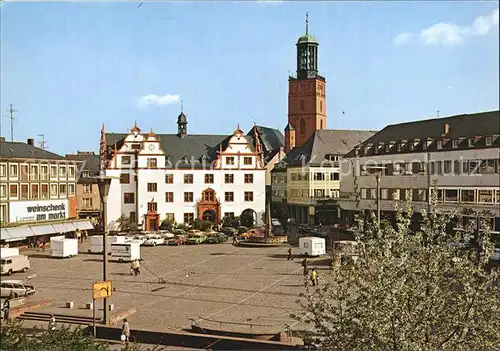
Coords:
264,238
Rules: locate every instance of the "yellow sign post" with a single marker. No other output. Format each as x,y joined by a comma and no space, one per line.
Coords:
101,289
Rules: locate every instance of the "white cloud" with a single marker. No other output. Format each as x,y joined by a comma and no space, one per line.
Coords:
153,99
402,38
451,33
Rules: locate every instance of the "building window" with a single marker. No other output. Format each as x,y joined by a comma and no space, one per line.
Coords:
230,160
468,195
489,141
229,196
62,190
228,178
335,176
301,105
124,178
54,190
87,202
248,195
133,217
86,174
3,170
188,179
497,196
209,178
321,110
471,142
188,217
169,178
87,188
419,194
208,195
363,193
44,172
33,173
451,195
384,194
71,189
13,191
24,192
248,178
152,162
13,171
62,172
302,127
454,143
247,160
34,191
188,196
439,144
229,214
169,197
152,187
170,217
487,166
3,213
485,196
152,207
71,172
3,191
53,172
126,160
135,146
319,176
24,173
128,198
44,193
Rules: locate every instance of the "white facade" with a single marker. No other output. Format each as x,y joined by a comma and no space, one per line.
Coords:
236,178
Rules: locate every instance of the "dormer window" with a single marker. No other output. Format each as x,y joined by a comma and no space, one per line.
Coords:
489,141
439,144
454,143
471,142
388,148
399,146
136,146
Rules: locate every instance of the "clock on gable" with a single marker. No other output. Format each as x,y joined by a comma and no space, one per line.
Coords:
151,147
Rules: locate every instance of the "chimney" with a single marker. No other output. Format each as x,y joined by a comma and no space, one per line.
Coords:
31,141
446,128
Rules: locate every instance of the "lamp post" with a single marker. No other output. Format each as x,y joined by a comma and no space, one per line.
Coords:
378,170
104,183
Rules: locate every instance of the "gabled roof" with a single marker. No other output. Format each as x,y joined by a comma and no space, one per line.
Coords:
18,150
271,139
90,162
322,143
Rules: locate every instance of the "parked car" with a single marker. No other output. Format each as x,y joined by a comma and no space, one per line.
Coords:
229,231
216,239
17,288
154,240
177,240
165,234
196,239
140,238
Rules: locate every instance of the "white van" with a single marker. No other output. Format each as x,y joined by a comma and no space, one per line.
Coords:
17,288
19,263
126,252
312,246
64,247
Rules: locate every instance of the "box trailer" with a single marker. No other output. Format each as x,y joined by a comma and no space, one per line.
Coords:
313,246
125,252
9,252
96,242
64,247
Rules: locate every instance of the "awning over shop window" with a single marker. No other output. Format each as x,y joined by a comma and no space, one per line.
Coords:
23,232
59,228
69,227
83,225
18,233
42,229
4,234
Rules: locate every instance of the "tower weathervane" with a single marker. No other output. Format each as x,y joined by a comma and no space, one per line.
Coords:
307,22
182,105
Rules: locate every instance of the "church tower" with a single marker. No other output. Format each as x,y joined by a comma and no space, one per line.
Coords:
306,94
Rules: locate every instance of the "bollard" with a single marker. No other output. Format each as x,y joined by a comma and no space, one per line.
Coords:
89,306
70,304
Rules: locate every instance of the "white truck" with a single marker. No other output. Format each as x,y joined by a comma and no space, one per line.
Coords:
12,264
125,252
96,245
9,252
312,245
64,247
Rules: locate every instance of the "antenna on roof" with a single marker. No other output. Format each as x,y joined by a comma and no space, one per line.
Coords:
438,113
11,117
43,144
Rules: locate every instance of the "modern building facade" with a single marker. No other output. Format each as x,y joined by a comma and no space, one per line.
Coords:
458,155
37,188
181,177
310,174
87,190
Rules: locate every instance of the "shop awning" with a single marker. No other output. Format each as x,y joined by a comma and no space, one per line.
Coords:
69,227
18,233
83,225
4,234
42,229
59,228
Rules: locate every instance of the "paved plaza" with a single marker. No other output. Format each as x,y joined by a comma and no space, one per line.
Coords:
220,282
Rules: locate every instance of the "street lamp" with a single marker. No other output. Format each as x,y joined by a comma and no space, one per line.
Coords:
104,183
378,173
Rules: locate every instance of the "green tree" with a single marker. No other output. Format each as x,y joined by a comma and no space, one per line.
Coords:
424,289
230,221
125,224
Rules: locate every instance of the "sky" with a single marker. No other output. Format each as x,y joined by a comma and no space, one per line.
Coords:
70,67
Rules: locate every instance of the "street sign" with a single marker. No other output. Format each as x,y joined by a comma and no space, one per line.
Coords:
101,289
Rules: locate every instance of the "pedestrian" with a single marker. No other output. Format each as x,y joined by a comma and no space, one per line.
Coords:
52,322
314,277
235,239
125,331
304,264
6,310
134,268
289,253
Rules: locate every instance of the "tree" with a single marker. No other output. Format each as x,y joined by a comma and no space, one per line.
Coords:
125,224
409,290
230,221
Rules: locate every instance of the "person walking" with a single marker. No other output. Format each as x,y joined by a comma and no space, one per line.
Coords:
314,277
6,310
52,322
125,337
289,253
304,264
134,268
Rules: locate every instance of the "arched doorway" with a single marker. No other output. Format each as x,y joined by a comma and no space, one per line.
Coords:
248,218
209,215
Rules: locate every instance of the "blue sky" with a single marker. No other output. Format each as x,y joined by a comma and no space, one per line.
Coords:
69,67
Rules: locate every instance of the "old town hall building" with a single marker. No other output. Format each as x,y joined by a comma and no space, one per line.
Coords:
184,176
